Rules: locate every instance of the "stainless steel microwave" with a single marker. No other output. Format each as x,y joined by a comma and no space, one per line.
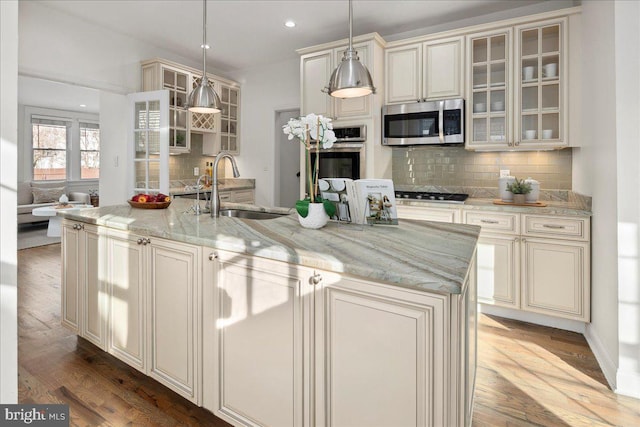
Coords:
424,123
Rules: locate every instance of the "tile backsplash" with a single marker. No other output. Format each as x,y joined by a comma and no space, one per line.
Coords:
457,167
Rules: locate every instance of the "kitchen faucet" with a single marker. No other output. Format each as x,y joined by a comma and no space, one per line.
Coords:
215,195
196,205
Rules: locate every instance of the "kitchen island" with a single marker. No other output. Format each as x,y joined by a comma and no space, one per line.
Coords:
266,323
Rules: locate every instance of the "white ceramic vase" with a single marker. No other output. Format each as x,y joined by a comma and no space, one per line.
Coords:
317,217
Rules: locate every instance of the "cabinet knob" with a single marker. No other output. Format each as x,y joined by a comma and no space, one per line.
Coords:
315,279
147,241
80,226
141,241
75,226
213,256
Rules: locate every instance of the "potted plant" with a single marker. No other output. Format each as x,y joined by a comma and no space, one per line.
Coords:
519,188
314,132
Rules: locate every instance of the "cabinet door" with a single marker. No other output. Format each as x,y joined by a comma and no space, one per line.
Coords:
403,74
353,107
94,295
498,270
174,309
126,262
378,350
489,89
425,213
71,275
541,98
229,117
262,357
315,73
556,278
442,63
179,84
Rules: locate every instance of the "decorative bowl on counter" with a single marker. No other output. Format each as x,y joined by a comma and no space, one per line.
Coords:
149,205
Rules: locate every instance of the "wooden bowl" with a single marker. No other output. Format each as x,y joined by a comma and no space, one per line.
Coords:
149,205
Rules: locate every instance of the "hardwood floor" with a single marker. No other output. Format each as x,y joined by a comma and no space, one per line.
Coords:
527,375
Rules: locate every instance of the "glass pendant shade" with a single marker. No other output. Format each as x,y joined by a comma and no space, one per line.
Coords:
203,98
350,79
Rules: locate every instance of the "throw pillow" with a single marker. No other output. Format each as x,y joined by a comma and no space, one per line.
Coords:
47,195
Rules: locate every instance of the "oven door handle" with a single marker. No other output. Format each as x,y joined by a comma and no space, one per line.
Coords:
441,122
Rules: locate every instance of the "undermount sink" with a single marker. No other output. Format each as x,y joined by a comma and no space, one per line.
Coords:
239,213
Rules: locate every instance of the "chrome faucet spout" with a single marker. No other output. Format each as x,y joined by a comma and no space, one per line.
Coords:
215,195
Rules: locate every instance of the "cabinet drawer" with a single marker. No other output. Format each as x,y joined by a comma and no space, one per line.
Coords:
225,196
429,214
559,227
243,196
494,221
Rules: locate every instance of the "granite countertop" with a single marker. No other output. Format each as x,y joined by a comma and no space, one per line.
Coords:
421,255
226,184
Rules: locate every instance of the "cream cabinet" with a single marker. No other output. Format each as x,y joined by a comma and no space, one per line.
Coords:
137,298
534,263
517,87
318,63
260,351
289,345
219,131
429,213
84,301
424,71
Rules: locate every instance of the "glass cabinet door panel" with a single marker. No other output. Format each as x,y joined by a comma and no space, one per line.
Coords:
529,70
550,67
154,173
154,141
498,129
232,128
529,42
550,96
529,127
480,130
168,78
479,50
181,82
181,118
140,120
498,74
181,138
480,102
498,48
172,118
530,98
550,124
140,141
140,170
232,144
224,126
479,76
154,115
233,112
497,101
233,97
551,39
224,96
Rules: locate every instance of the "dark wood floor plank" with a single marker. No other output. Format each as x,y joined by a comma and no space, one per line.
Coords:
528,375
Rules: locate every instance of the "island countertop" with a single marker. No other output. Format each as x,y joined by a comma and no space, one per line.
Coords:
422,255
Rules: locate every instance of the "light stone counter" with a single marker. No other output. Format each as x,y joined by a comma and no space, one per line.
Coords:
420,255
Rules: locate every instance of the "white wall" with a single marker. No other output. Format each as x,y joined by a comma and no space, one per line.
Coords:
610,154
627,80
8,186
114,154
265,90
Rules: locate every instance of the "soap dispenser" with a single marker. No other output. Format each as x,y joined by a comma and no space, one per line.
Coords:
534,194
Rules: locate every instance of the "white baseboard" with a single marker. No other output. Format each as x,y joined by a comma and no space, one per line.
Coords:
538,319
605,361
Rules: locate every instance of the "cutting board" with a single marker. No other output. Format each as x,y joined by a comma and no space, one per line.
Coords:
535,205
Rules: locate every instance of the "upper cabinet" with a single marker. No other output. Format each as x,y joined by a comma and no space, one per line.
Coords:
316,66
517,92
424,71
220,131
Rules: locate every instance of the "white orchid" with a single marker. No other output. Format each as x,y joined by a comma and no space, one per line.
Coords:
320,130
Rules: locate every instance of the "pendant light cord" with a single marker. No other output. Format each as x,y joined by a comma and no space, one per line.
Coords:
350,25
204,37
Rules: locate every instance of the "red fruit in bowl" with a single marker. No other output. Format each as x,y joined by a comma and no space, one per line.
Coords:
142,198
135,198
151,198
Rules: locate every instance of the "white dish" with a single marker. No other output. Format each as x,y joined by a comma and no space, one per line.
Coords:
479,107
338,184
324,185
497,106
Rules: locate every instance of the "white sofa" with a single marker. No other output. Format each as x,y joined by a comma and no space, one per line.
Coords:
46,194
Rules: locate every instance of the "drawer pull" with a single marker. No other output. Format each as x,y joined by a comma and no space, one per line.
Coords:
554,226
315,279
489,221
213,256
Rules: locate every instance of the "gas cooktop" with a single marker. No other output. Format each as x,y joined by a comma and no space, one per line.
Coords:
432,197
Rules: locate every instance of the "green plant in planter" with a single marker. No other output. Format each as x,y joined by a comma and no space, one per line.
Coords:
313,131
519,187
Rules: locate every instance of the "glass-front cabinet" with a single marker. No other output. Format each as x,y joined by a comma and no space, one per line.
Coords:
516,87
177,83
230,97
489,102
541,96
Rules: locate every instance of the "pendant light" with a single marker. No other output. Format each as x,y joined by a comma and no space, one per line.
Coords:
203,98
350,79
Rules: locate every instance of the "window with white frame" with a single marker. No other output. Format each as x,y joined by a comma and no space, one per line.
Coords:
65,145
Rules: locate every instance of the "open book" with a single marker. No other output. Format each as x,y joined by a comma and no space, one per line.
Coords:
364,201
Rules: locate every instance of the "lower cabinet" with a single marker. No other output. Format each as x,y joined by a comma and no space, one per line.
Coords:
291,346
138,298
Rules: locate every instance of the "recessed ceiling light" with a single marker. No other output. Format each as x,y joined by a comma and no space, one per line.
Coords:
289,24
83,105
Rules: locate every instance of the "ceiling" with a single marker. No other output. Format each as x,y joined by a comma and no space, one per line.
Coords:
244,34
